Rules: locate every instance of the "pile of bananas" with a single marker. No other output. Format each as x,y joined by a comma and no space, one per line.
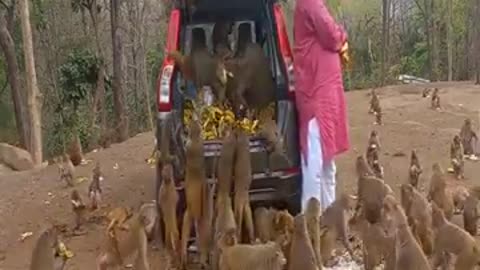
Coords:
215,119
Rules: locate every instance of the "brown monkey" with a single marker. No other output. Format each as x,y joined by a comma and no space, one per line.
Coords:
201,67
94,190
67,170
79,209
456,157
221,44
374,102
117,217
225,164
375,244
435,102
168,200
378,116
225,230
362,167
252,82
415,169
426,92
263,218
471,214
438,191
418,212
274,142
469,138
75,151
334,225
312,215
196,193
45,252
374,140
267,256
121,244
243,179
302,255
283,227
149,212
454,240
373,160
408,253
371,192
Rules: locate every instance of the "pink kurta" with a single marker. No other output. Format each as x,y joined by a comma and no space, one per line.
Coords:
318,76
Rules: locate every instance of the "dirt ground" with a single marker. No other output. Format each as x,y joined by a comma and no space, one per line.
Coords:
31,200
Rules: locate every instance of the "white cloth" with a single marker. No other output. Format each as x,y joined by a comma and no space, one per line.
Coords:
318,174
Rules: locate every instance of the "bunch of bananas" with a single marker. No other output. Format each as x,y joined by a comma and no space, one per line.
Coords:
214,120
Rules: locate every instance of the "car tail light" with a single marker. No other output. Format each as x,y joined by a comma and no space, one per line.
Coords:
165,78
285,49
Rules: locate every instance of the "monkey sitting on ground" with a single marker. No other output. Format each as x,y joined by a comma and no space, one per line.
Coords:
283,227
168,200
45,254
244,257
378,116
302,255
79,209
243,179
312,215
75,151
456,157
374,102
94,189
469,138
196,194
454,240
438,191
426,92
435,102
408,253
67,170
415,169
334,225
374,140
362,168
373,160
471,214
121,244
263,219
419,214
201,67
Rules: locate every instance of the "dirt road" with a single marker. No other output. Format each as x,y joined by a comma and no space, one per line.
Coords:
30,200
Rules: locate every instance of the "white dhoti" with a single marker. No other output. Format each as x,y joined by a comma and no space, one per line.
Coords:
318,174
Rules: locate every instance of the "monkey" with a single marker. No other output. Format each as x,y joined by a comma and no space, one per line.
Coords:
196,194
243,179
302,255
374,102
149,212
274,142
362,167
201,67
94,189
312,216
252,85
79,209
415,169
334,225
378,116
426,92
226,164
225,230
456,157
468,138
283,228
267,256
471,214
419,214
375,244
120,244
454,240
374,140
67,170
117,217
408,253
374,162
221,44
45,254
75,151
438,191
263,219
168,201
435,102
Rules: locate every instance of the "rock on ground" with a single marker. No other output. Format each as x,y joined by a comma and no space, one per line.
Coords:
15,158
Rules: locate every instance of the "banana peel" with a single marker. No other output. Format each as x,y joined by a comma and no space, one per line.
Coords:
64,251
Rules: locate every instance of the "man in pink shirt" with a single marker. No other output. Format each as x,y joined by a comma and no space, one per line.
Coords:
319,43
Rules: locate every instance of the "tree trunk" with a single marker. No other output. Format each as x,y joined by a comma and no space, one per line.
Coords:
13,77
476,21
33,93
435,42
384,41
118,93
449,39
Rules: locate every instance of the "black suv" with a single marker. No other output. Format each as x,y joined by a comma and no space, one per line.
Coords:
280,187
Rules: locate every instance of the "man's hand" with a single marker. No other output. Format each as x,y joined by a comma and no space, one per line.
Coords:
344,48
345,57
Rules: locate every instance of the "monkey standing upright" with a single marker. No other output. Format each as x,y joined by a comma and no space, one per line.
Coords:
456,157
45,252
469,138
243,179
415,169
94,189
